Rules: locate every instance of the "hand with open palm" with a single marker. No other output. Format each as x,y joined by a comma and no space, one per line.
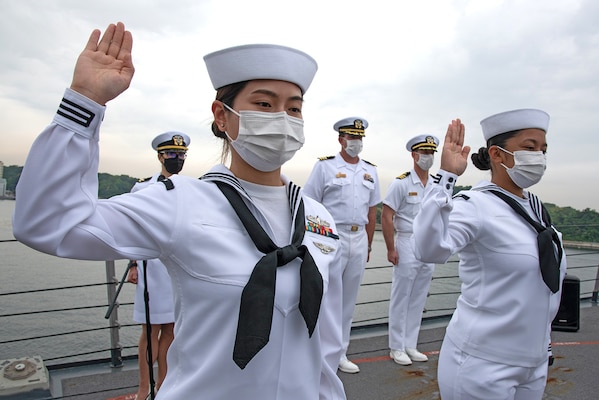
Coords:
104,68
454,157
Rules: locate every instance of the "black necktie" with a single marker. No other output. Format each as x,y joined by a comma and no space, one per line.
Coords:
258,296
546,236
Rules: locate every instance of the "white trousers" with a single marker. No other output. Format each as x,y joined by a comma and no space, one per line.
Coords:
352,258
409,290
345,275
464,377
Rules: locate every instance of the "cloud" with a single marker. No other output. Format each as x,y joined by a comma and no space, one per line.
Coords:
409,69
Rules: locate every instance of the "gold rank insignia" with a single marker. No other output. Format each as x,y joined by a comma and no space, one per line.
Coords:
368,178
323,247
340,175
178,140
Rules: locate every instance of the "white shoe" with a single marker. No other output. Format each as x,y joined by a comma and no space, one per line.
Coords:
400,357
415,355
348,367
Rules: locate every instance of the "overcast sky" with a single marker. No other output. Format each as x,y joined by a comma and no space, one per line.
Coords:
408,67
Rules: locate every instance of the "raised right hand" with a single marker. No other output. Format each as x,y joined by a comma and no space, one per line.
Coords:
454,157
104,69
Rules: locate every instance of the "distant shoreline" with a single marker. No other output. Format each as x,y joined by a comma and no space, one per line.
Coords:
567,243
581,245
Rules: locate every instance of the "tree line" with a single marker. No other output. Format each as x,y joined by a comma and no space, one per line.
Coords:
575,225
108,185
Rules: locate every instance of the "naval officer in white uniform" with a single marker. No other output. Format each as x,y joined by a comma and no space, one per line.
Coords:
512,264
171,151
248,254
348,187
411,277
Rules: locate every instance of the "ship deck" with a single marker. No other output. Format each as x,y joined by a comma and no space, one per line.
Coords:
572,376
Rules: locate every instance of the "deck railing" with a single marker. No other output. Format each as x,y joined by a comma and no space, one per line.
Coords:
371,310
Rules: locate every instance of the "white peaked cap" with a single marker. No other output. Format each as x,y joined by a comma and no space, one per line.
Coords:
171,140
514,120
260,61
422,142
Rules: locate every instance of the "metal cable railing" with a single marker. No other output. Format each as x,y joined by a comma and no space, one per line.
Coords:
373,310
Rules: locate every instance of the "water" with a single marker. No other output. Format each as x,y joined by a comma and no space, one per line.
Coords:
22,268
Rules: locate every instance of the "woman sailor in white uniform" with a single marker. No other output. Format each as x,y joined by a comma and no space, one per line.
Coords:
230,342
497,344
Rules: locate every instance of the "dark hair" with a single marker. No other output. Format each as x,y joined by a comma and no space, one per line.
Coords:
481,159
227,95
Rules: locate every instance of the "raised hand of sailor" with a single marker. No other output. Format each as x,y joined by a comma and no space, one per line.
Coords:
104,68
454,157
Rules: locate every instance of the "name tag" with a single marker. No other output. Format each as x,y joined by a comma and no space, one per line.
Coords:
340,175
412,193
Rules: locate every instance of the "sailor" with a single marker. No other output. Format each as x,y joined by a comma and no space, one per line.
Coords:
497,344
171,150
348,187
411,277
244,328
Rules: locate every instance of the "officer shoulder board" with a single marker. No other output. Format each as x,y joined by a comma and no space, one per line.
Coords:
404,175
369,163
325,158
167,182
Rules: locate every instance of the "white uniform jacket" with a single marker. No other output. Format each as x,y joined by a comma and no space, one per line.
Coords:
505,310
345,192
160,290
201,241
404,196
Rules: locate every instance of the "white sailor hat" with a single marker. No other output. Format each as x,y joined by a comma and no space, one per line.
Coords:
171,141
422,142
514,120
355,126
260,61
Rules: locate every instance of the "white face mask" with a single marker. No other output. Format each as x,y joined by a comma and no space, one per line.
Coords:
528,169
267,140
425,161
353,147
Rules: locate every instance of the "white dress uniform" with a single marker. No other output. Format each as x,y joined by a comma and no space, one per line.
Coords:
162,306
411,277
505,310
347,191
202,243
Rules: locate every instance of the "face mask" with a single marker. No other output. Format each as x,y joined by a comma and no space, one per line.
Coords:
267,140
425,161
173,165
528,169
353,147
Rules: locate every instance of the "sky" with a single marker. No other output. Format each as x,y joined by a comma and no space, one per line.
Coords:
407,67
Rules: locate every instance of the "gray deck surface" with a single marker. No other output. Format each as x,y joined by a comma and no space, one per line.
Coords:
574,374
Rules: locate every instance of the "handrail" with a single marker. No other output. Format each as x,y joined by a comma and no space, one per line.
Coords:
371,318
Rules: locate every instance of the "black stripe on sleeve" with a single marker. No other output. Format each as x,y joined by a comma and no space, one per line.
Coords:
75,113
